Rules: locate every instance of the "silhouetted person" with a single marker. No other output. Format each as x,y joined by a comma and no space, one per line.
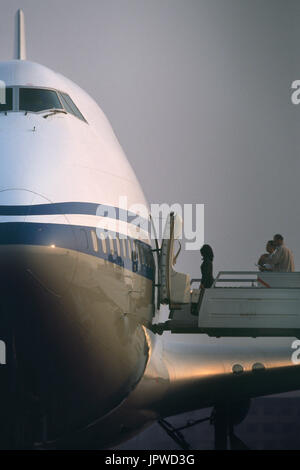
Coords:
282,259
263,262
207,275
207,266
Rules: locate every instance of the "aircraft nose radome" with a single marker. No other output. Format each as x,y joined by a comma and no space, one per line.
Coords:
36,246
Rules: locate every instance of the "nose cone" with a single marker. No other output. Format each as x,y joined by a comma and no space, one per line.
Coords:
37,242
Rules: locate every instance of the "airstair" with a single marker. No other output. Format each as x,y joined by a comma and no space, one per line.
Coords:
240,303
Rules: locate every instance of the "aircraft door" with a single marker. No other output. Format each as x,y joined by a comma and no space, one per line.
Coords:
174,287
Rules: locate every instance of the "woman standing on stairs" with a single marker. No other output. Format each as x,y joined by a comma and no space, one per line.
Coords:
207,267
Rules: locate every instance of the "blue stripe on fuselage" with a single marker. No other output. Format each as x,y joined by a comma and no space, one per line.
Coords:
73,237
83,208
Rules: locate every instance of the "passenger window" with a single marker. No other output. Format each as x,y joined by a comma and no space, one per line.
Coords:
148,258
141,254
94,240
118,246
145,255
6,99
111,245
136,252
70,106
37,99
129,248
124,247
103,242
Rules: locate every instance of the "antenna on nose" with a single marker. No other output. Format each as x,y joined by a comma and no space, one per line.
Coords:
20,42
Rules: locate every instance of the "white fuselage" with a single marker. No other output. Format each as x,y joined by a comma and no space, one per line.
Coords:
61,179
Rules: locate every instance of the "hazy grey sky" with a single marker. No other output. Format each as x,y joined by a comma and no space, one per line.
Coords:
198,93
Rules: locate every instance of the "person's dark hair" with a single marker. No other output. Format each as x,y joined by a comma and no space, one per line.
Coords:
278,237
207,252
271,243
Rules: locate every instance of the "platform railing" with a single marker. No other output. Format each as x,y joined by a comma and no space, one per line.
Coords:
241,277
253,277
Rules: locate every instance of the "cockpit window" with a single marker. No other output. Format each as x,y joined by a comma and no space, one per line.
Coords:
70,106
6,99
30,99
37,99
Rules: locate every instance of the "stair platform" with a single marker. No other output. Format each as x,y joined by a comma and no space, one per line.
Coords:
241,304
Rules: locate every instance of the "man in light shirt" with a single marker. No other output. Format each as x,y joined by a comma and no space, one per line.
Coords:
282,259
